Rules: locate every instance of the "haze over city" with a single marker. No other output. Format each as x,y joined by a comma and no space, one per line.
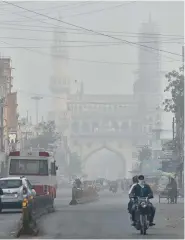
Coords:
92,119
19,26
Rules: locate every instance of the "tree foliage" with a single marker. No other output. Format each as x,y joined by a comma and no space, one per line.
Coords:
48,127
48,135
176,88
145,153
170,145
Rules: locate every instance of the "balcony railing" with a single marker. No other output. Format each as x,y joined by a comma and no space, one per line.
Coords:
102,132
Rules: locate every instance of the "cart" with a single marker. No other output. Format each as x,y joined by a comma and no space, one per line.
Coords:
165,194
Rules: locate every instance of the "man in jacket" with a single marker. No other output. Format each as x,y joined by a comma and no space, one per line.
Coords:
134,181
141,189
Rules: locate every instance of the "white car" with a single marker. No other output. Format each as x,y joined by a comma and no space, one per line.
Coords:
15,189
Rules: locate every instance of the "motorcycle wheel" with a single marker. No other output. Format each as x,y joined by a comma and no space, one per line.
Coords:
143,224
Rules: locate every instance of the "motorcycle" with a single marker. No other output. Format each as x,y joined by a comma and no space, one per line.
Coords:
113,189
142,216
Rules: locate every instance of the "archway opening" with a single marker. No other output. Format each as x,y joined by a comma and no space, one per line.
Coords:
105,163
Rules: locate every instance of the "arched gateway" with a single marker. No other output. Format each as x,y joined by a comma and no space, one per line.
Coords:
111,149
104,121
85,147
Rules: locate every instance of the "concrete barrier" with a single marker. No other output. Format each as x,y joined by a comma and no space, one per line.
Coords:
80,196
32,210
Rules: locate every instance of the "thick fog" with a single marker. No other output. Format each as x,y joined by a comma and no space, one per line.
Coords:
105,65
19,26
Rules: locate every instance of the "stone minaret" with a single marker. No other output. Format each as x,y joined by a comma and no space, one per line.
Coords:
59,82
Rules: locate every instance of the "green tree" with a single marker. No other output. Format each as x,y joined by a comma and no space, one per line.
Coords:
74,166
176,105
176,88
145,154
48,136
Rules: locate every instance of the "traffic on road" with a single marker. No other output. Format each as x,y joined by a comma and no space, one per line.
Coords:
89,150
109,216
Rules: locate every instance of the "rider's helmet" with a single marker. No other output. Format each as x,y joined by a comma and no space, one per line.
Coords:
135,179
141,177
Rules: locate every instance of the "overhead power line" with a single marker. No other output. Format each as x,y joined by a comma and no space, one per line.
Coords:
72,6
40,20
77,41
90,30
72,46
79,31
84,60
79,14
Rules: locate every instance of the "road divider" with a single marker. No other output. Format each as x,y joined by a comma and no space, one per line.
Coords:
32,210
80,196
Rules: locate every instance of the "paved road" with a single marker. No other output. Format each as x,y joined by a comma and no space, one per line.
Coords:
108,218
9,221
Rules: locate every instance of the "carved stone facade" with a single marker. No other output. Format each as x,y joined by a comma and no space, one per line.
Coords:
115,122
104,122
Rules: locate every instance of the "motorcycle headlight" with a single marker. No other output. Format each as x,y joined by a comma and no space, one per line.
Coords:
143,205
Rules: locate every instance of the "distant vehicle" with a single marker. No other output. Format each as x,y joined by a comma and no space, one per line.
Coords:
15,189
103,182
39,167
98,187
113,187
90,183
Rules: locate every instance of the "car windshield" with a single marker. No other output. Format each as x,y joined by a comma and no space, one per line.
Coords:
10,183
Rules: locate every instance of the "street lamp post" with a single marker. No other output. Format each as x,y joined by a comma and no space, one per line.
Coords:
37,99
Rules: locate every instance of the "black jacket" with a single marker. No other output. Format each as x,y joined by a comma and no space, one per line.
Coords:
138,191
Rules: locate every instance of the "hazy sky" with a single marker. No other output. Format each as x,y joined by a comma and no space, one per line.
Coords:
33,70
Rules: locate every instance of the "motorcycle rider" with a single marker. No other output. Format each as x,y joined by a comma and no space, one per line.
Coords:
113,185
141,189
135,181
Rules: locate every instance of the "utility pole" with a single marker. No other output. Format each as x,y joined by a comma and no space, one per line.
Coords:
37,99
173,128
183,57
27,117
2,124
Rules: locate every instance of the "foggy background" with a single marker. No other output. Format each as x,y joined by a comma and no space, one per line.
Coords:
27,38
33,69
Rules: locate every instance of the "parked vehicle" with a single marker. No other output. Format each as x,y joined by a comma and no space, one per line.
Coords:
15,189
37,166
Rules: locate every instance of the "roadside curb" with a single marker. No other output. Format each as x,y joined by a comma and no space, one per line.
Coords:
87,200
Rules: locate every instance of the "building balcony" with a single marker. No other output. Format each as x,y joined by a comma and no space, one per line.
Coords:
105,133
58,89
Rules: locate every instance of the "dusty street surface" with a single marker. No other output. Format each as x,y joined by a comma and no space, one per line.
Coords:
108,218
8,222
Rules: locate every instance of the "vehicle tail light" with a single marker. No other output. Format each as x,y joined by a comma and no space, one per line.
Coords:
16,153
43,154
